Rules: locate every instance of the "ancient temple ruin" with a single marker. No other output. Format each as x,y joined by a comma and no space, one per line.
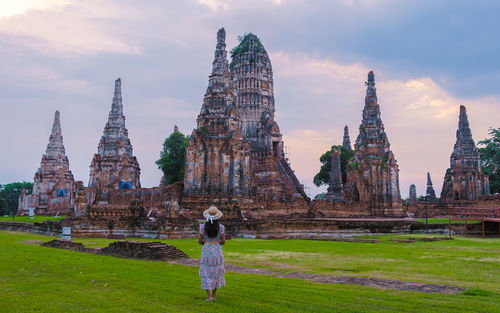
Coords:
464,180
413,195
429,192
114,166
53,181
217,155
335,192
346,142
373,174
252,84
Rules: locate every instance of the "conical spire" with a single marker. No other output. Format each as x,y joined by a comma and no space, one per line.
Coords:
218,100
371,90
371,112
117,106
429,192
429,182
464,180
464,135
219,79
114,140
347,140
371,125
464,151
55,145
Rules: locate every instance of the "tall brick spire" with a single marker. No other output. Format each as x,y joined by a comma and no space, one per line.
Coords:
373,174
371,111
252,83
465,150
115,141
55,145
217,155
346,143
53,181
114,165
464,180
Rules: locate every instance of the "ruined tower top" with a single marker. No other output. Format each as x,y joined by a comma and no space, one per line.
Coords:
429,182
465,150
55,146
221,38
371,90
115,141
218,110
371,112
371,127
413,195
252,82
117,106
346,143
335,188
429,192
218,81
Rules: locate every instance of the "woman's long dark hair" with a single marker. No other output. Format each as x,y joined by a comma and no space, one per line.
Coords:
212,229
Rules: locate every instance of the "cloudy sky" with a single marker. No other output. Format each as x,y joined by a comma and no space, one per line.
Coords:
429,57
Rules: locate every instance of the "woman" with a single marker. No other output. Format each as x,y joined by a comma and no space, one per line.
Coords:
212,236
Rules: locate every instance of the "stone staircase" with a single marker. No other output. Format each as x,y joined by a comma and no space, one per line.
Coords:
290,175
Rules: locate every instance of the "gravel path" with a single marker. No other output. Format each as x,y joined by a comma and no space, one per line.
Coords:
327,279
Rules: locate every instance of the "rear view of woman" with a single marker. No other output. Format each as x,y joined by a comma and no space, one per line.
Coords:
212,236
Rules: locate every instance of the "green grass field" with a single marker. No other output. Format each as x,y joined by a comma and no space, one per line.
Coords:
35,219
38,279
443,221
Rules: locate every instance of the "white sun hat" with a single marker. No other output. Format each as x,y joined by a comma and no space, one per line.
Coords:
212,214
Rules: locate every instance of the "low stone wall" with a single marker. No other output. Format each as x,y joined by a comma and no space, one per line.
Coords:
307,228
319,228
439,209
48,228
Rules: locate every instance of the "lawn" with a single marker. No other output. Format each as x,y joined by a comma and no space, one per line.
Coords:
443,221
35,219
34,278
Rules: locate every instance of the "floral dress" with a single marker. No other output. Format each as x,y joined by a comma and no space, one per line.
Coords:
212,261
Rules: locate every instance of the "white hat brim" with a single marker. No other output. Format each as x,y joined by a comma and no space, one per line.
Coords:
214,217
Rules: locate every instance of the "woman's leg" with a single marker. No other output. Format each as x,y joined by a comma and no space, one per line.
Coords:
209,296
213,293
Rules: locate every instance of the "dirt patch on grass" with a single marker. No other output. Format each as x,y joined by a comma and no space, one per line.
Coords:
328,279
33,242
424,239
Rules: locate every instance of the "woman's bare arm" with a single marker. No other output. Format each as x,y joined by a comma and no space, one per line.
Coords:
200,239
223,239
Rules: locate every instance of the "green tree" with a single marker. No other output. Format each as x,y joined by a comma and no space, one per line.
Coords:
490,157
173,157
323,176
9,196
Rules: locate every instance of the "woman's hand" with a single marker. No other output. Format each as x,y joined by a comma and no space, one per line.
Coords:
200,239
223,239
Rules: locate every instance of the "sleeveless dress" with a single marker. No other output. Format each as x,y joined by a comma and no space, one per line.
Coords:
212,261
